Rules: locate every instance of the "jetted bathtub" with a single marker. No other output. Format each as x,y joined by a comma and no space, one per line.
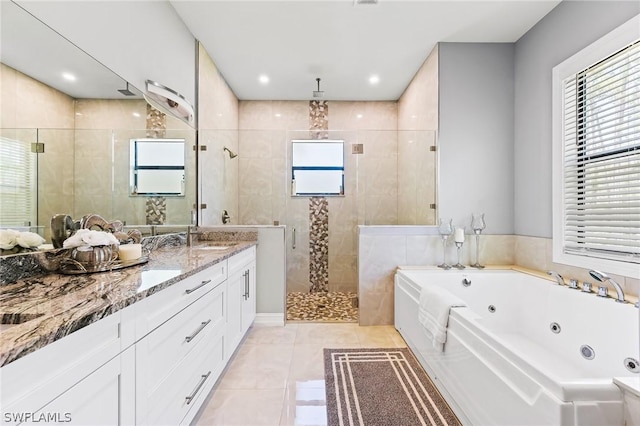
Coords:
524,350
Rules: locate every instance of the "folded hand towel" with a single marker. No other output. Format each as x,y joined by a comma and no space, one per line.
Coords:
433,313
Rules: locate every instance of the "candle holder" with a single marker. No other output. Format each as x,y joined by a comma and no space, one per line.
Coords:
445,229
459,265
477,224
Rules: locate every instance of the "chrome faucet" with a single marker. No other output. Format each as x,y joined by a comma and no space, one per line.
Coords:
557,276
191,232
603,278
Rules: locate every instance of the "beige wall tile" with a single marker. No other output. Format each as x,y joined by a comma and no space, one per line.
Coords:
418,105
363,115
217,104
111,114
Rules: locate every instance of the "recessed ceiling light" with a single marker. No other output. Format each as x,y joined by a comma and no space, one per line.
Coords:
264,79
374,79
278,114
136,114
68,76
359,116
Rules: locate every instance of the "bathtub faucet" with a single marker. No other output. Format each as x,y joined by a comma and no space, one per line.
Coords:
603,278
557,276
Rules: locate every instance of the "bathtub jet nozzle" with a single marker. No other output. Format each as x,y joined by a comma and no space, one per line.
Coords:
604,278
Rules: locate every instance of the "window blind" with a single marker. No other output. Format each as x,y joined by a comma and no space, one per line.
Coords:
17,183
602,158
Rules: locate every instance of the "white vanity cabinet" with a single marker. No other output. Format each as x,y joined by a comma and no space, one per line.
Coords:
179,361
241,298
152,363
98,399
85,378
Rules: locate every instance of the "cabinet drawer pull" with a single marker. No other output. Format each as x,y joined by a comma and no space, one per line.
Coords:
202,284
203,379
195,333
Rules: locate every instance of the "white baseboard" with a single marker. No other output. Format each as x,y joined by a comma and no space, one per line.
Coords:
270,319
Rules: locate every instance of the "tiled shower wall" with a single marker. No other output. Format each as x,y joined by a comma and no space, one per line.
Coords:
264,193
393,182
218,125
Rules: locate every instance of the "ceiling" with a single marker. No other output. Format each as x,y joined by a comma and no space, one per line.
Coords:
49,56
292,42
343,43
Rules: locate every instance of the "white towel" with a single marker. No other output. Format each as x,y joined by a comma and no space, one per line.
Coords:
433,313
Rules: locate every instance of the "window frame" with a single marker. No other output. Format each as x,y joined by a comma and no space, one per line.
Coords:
26,193
295,168
612,42
135,167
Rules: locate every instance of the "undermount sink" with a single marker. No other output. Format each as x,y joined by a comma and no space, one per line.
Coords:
219,246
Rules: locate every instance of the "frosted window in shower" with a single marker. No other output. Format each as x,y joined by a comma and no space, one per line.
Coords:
317,167
157,167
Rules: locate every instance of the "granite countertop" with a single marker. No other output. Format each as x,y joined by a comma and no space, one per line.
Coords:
39,310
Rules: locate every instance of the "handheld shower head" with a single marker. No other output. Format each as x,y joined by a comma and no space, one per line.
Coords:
599,276
231,153
603,278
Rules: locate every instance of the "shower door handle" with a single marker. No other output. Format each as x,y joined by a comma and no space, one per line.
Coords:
293,244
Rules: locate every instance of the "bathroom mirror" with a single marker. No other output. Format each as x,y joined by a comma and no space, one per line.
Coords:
157,167
75,119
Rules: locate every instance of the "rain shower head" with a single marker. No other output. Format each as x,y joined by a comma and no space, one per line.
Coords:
318,93
126,91
231,153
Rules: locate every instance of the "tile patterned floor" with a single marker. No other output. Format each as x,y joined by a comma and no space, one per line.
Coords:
330,307
276,376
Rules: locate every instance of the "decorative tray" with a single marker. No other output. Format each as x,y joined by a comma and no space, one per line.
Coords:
72,267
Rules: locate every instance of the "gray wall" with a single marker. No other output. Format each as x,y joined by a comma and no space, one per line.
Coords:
138,40
567,29
476,133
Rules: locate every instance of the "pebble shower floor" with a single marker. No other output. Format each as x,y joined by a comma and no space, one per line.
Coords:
327,307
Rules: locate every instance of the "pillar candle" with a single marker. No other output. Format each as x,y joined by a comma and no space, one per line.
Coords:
459,235
129,251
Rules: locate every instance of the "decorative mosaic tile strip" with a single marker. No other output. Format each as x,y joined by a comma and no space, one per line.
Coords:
319,119
334,306
156,123
156,211
318,244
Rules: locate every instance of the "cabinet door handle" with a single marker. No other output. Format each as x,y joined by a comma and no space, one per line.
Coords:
202,284
244,295
195,333
248,286
293,244
203,379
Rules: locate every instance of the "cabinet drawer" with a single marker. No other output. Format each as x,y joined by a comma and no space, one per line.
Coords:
34,380
160,307
239,260
160,352
184,389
